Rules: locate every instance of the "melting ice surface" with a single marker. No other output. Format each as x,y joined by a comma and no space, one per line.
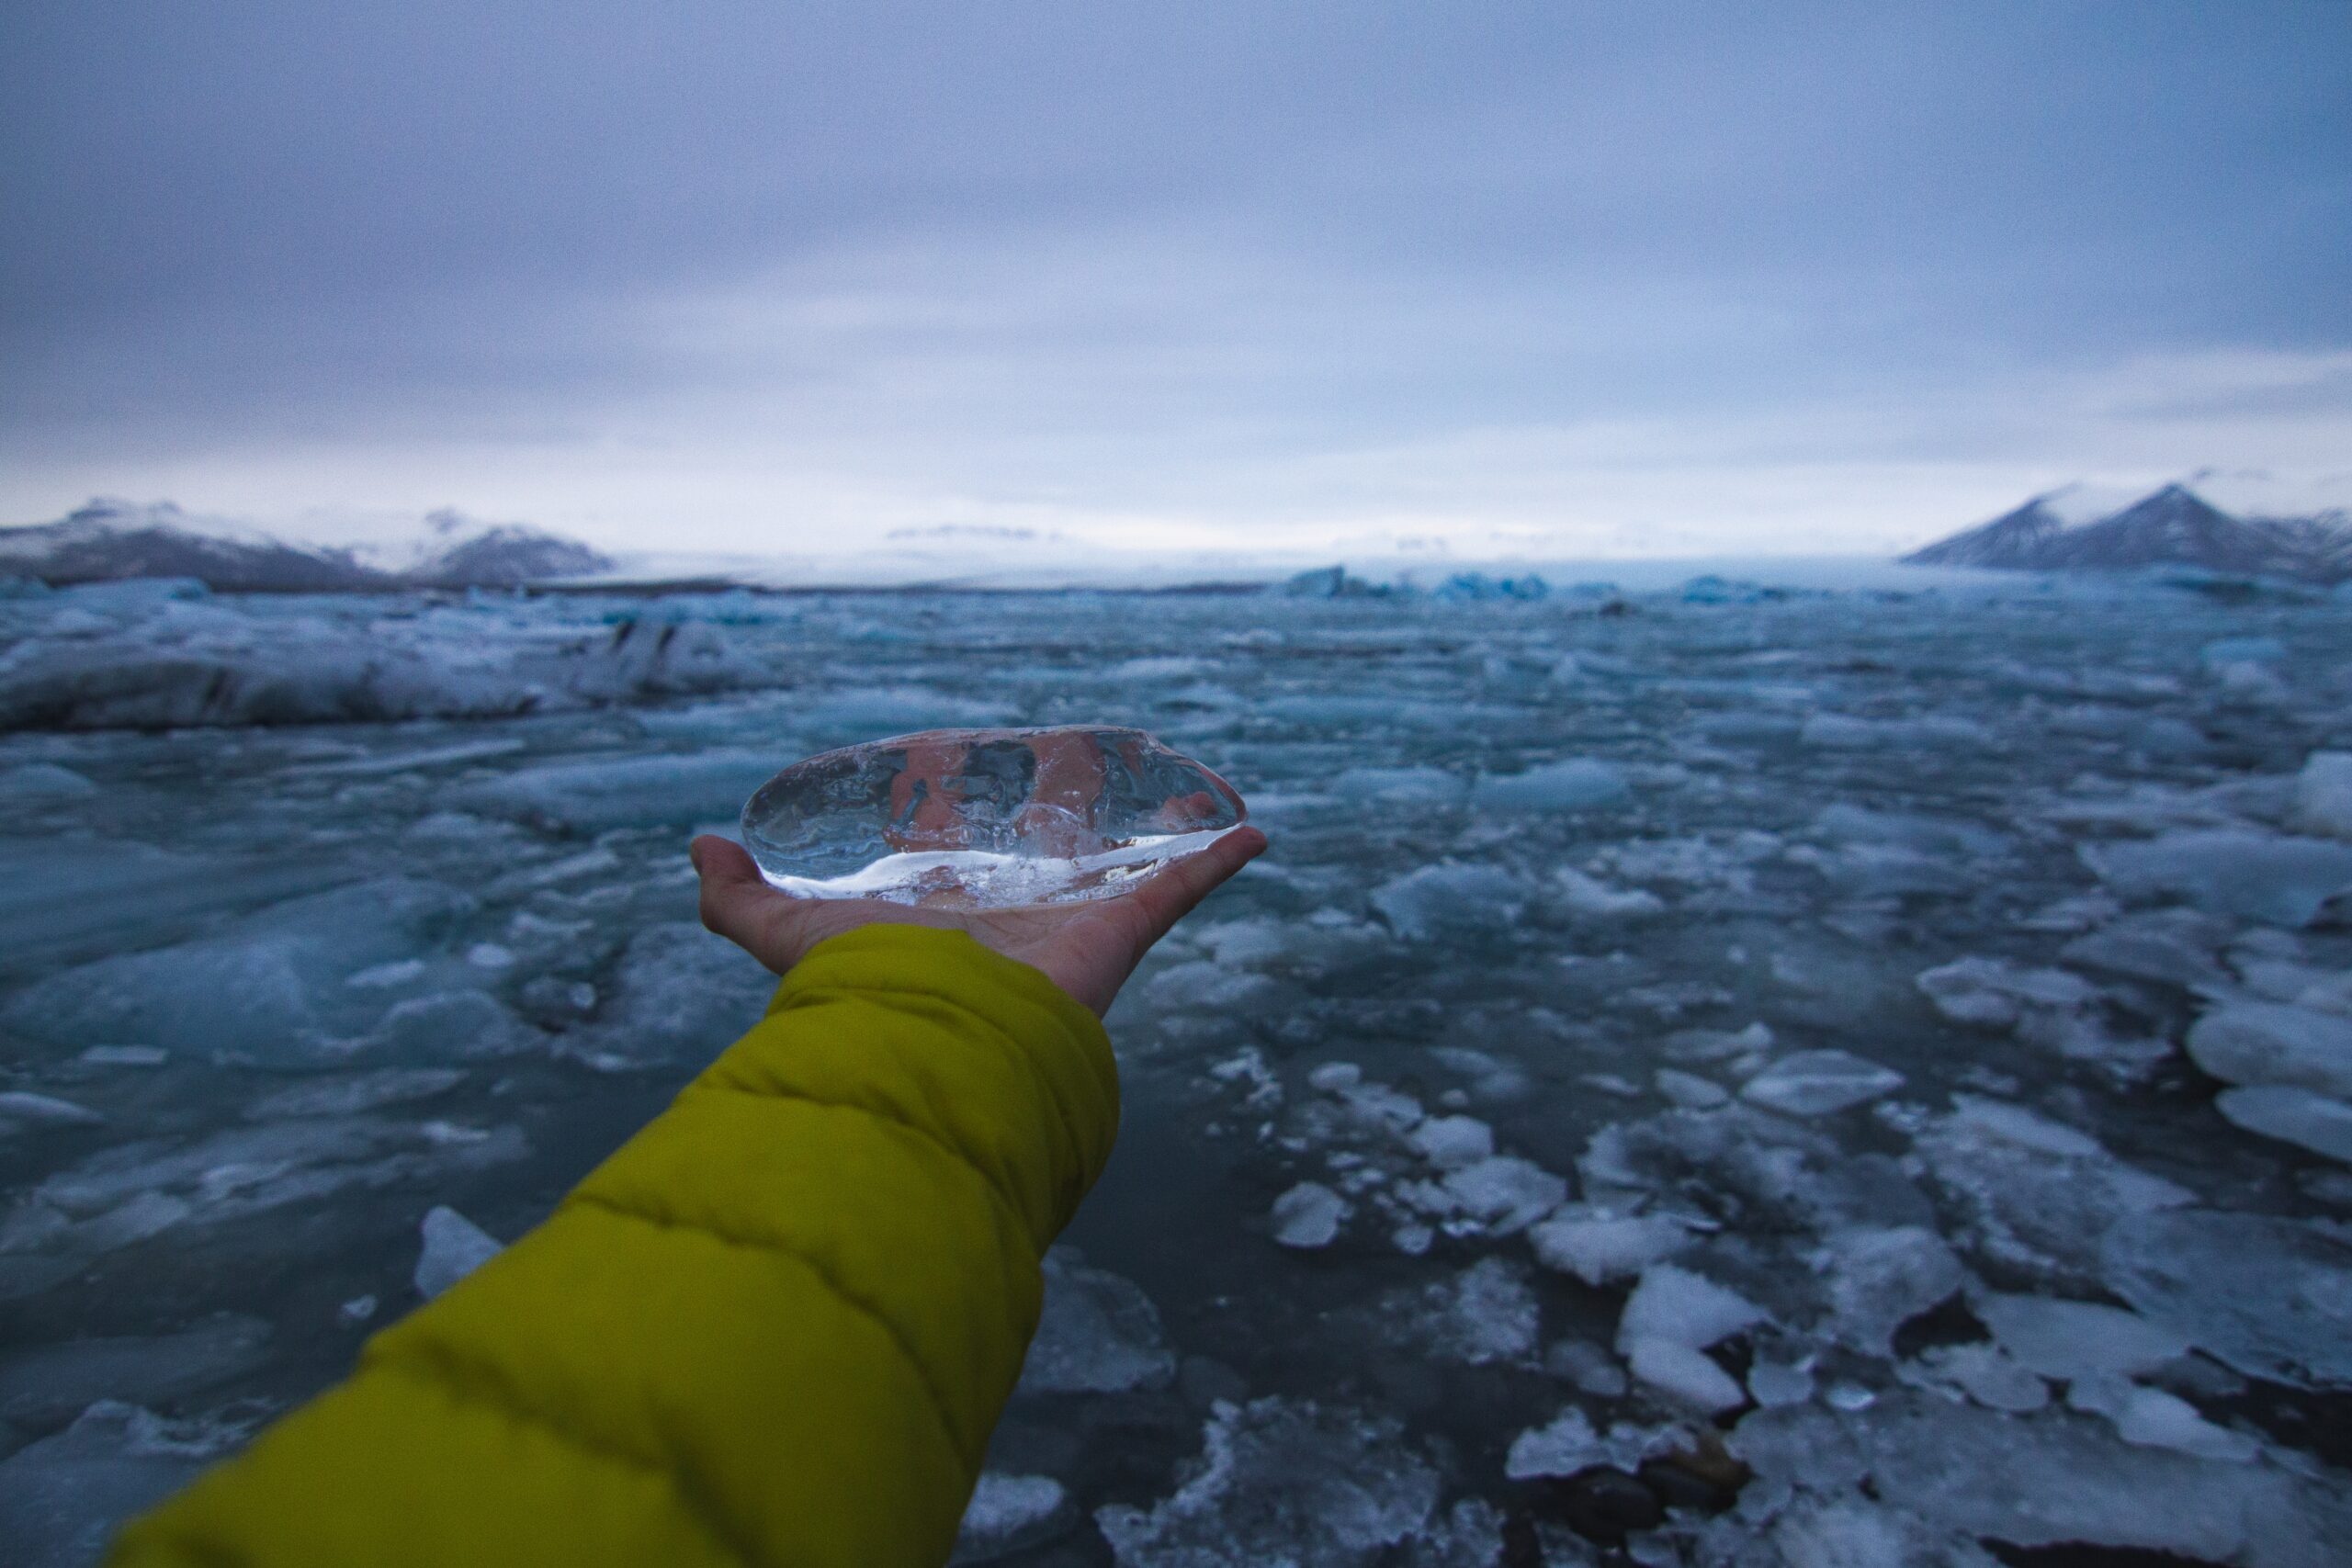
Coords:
985,818
1877,1063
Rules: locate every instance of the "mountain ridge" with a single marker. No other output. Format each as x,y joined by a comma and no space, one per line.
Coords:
2172,526
107,539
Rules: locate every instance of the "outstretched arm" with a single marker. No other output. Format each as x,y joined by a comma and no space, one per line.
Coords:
779,1323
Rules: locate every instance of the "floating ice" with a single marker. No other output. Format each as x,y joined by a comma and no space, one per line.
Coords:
22,1108
1098,1333
2155,1419
47,1384
2038,1480
1006,1514
2270,1297
2067,1340
2261,877
1504,1193
1682,1308
37,781
1600,1248
1576,784
1450,1143
2036,1194
1682,1376
1880,1278
1308,1216
1485,1314
454,1247
1302,1485
985,818
62,1496
2265,1043
2292,1115
1567,1446
1816,1083
1985,1373
2323,794
1450,899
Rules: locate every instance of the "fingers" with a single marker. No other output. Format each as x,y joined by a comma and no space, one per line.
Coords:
1170,893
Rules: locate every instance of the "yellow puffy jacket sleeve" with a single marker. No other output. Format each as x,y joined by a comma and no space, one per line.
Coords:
777,1327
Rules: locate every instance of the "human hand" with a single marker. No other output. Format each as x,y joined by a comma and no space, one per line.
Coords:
1089,949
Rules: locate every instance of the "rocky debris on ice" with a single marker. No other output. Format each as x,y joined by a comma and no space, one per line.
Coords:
1603,1247
1098,1333
1817,1083
2297,1116
2324,794
454,1247
1278,1481
1008,1514
2275,1044
43,1386
1309,1215
2271,1298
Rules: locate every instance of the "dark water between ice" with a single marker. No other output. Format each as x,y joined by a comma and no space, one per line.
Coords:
1561,1086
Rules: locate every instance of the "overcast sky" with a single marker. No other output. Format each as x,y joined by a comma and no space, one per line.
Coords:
1548,278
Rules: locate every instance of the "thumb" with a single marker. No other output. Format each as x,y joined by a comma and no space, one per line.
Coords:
734,893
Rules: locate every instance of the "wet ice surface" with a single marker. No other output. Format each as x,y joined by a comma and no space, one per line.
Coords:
985,818
1847,1078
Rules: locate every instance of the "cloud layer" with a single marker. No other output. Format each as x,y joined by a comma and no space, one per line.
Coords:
1594,280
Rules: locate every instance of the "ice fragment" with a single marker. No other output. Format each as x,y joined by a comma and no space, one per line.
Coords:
1308,1216
454,1247
985,818
1816,1083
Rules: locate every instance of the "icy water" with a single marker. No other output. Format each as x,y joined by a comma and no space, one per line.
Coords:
1729,1081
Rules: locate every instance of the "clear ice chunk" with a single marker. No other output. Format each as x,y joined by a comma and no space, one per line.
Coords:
985,818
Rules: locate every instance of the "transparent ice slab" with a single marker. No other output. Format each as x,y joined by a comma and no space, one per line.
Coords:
985,818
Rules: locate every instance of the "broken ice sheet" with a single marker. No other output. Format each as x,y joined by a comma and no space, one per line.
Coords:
985,818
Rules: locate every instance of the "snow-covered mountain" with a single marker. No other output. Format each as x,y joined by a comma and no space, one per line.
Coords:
109,539
2172,526
455,551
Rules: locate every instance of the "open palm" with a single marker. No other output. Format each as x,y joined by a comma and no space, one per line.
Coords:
1089,949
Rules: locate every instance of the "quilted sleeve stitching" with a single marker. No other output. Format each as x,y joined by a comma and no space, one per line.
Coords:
964,1447
454,1377
1005,1202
